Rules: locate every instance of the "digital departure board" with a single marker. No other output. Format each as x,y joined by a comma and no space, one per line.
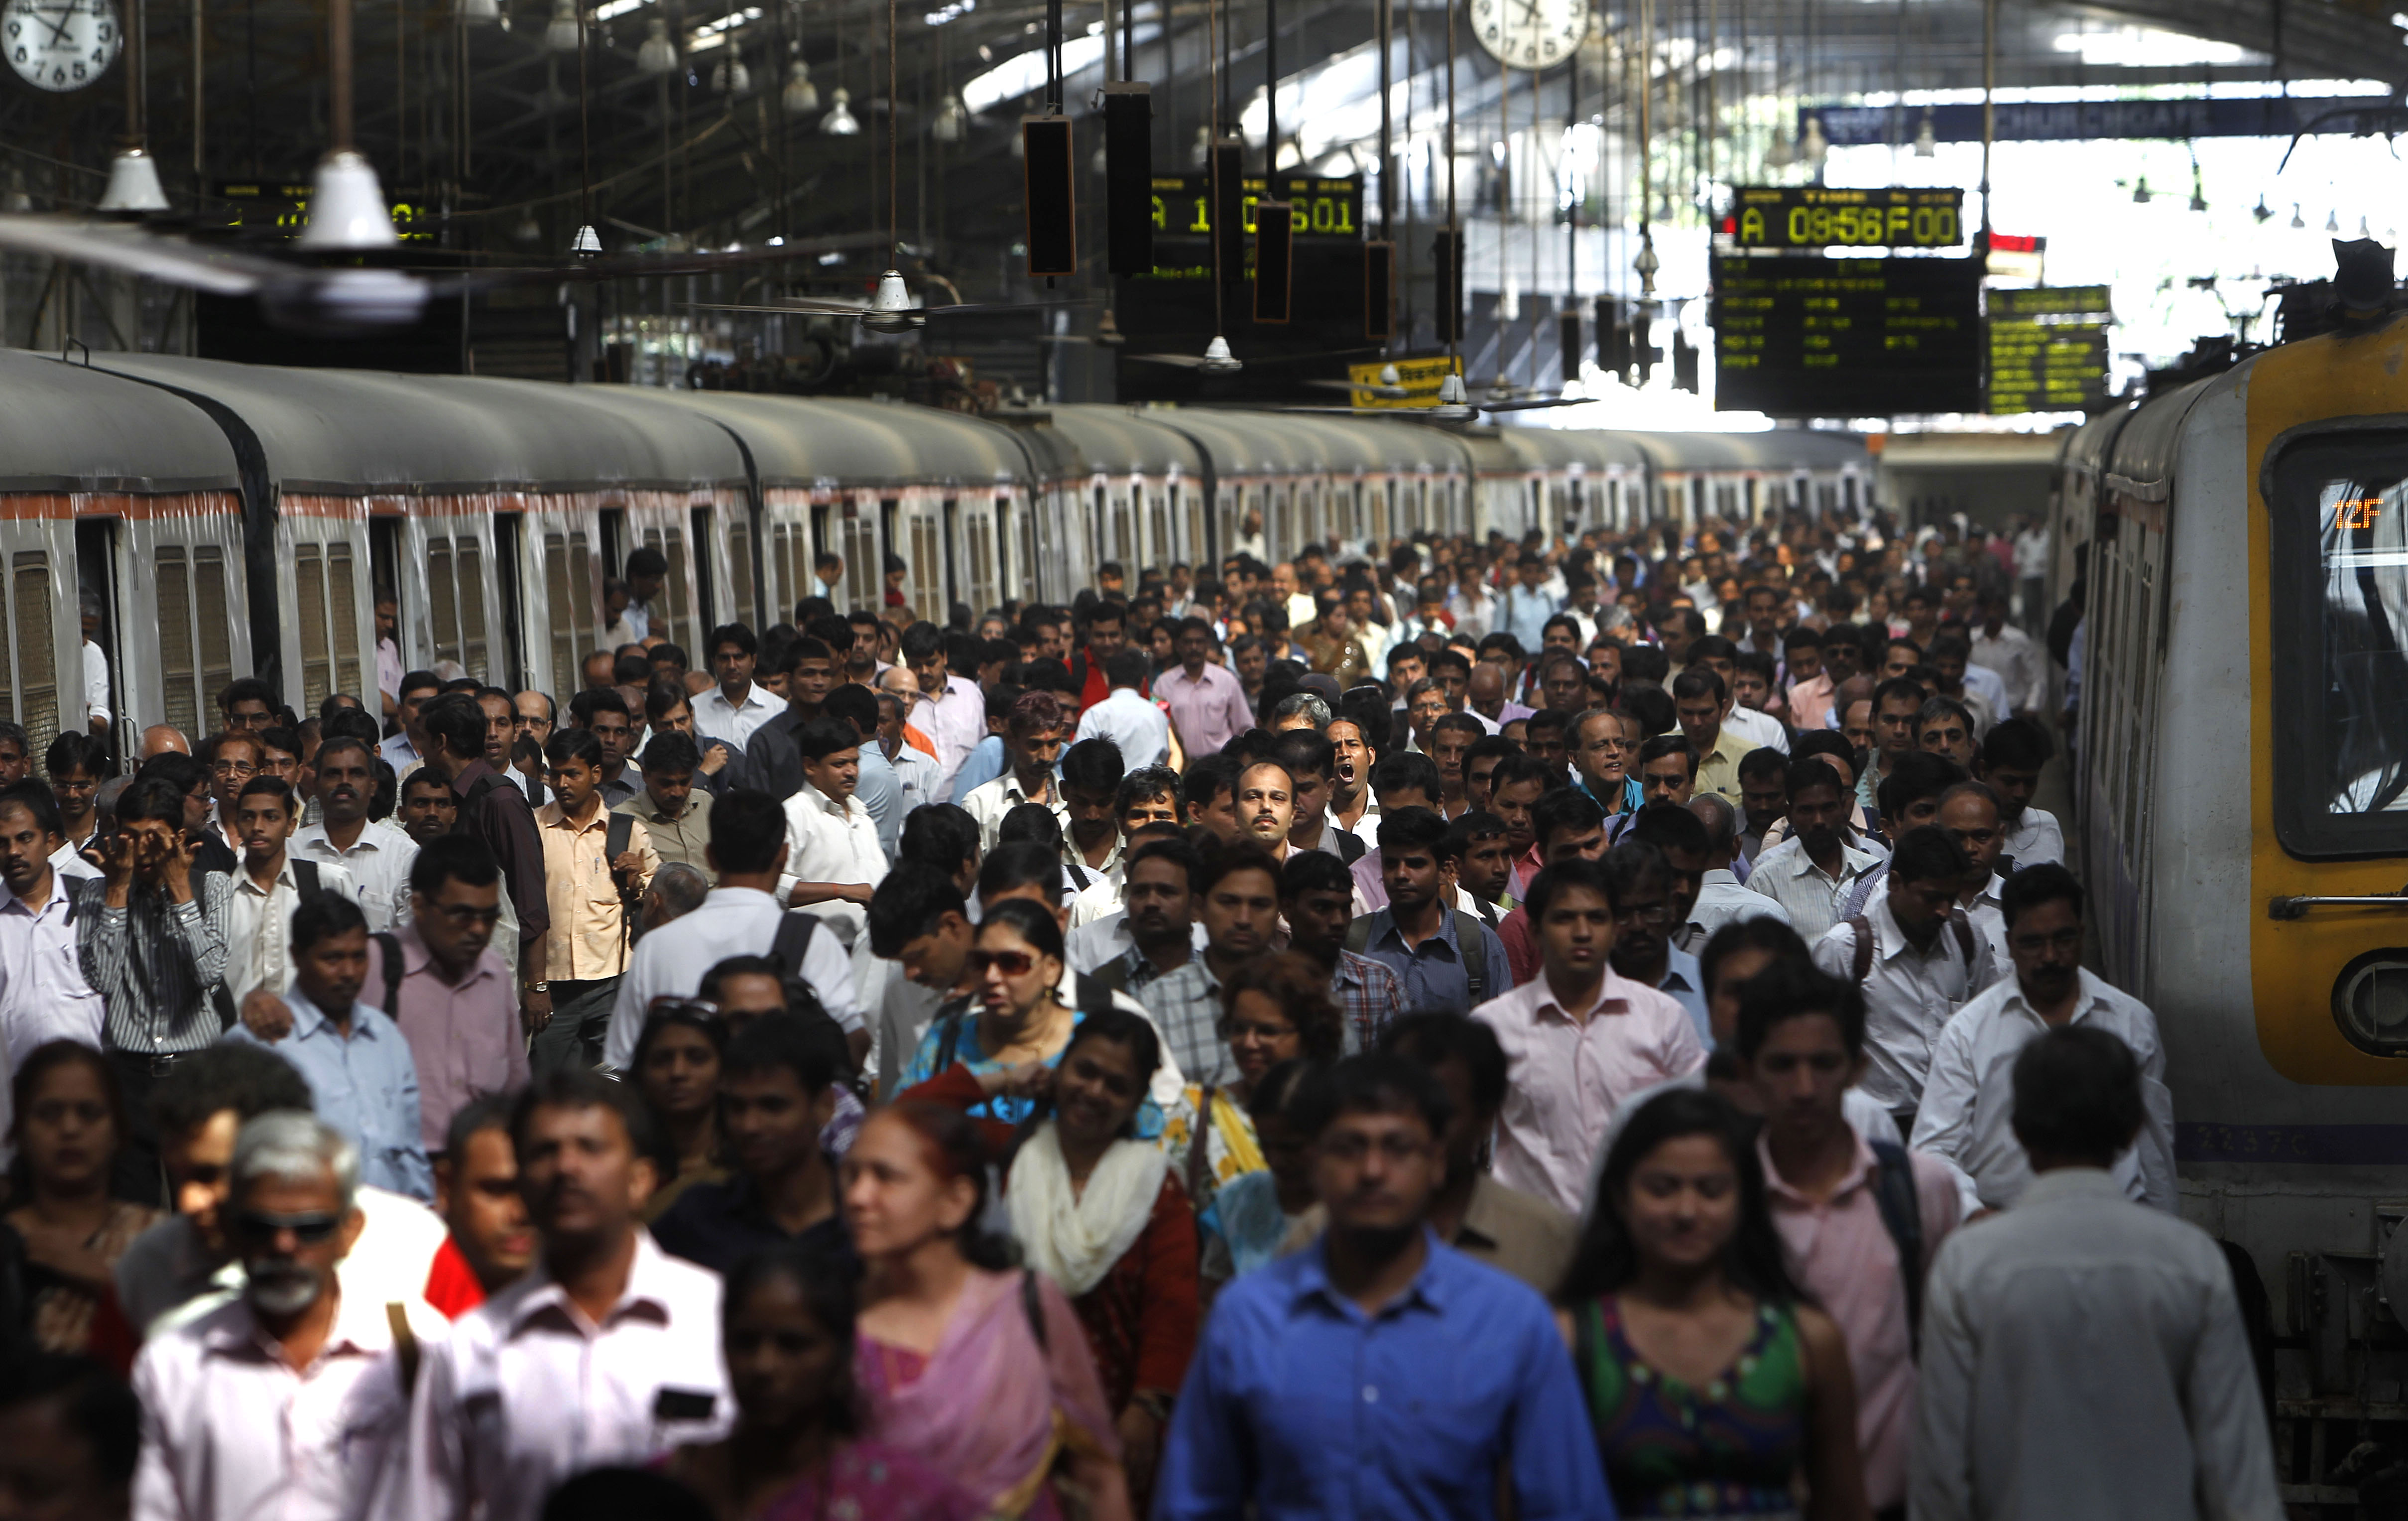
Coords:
1317,208
2048,349
1810,217
252,204
1802,336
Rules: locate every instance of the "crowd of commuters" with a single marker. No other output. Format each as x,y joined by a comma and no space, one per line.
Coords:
1548,1030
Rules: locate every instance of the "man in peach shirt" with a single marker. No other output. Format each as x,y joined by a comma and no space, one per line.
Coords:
1580,1039
1809,685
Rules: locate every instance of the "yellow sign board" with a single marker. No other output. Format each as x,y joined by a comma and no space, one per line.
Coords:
1419,377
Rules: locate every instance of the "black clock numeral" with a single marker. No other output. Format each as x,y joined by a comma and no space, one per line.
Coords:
18,56
15,29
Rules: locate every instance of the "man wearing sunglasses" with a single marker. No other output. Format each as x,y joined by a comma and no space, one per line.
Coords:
284,1398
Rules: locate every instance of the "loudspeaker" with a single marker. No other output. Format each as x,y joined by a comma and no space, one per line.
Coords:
1228,191
1053,200
1128,178
1379,289
1446,249
1569,328
1685,362
1613,339
1274,260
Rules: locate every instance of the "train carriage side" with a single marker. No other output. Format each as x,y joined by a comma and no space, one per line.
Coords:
135,495
1258,463
1578,477
1137,487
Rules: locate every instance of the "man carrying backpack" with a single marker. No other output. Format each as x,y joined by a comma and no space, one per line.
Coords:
1445,959
595,863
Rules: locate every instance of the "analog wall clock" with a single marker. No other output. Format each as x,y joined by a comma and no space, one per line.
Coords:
1530,33
60,45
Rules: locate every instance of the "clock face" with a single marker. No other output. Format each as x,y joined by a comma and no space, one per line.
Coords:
1530,33
60,45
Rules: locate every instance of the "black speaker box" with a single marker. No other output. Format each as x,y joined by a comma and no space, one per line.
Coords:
1052,197
1128,178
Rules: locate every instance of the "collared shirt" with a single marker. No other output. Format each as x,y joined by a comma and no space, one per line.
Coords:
1967,1116
2083,1358
231,1432
1298,1404
1433,973
955,719
1789,876
1756,730
1684,985
880,792
683,838
831,841
1718,768
43,994
1128,720
1910,996
990,803
771,762
1099,940
2034,839
399,753
615,789
918,778
734,722
1527,613
1573,1071
259,926
1721,901
526,1391
1208,710
985,763
1369,996
588,942
379,862
732,921
389,671
364,1085
717,1224
1842,1254
1518,1234
1185,1004
1810,702
1983,683
463,1035
152,964
506,822
2021,664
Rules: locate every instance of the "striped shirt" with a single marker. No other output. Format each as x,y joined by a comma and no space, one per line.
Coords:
153,962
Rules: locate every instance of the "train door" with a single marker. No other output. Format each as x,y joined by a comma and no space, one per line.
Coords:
1124,521
674,610
1164,548
449,547
917,524
858,542
42,661
560,550
96,570
709,550
740,601
187,567
329,635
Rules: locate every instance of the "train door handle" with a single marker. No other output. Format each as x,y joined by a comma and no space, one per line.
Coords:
2296,907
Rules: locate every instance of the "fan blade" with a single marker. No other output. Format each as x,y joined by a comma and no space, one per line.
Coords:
791,308
1386,393
1185,360
131,251
1533,405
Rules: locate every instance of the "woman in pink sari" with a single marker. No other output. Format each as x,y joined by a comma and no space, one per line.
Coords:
979,1369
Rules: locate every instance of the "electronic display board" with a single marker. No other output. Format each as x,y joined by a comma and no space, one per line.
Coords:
254,205
1799,335
2048,348
1317,208
1804,218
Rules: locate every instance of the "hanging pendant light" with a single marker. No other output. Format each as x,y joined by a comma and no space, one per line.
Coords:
1816,147
478,12
731,78
658,56
2141,191
2362,230
839,123
560,35
134,183
2332,221
347,208
1927,138
2198,195
952,121
2298,223
528,230
586,243
2261,210
1782,154
801,96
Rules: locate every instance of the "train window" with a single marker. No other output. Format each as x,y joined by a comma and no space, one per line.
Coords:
559,619
317,657
342,596
443,599
2340,519
580,587
740,607
37,664
678,590
174,589
472,608
214,617
864,570
1158,521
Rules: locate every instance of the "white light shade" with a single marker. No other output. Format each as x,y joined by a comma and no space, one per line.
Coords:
561,34
658,56
951,121
587,241
1816,146
2332,221
839,122
802,97
528,230
1780,155
1218,360
134,185
1927,139
478,12
731,78
347,208
2298,223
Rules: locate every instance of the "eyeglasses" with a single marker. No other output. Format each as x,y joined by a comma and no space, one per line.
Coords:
466,915
1645,913
234,768
1010,963
1253,1030
307,1230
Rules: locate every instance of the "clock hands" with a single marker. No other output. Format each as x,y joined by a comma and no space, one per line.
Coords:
65,14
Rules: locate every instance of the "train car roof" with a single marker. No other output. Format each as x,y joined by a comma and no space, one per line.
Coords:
853,441
66,427
2142,462
1099,437
1351,444
1251,443
1598,449
1781,451
2089,446
354,431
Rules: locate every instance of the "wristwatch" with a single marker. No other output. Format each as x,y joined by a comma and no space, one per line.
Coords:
537,987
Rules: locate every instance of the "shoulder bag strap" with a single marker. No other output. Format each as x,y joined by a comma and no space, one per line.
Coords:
794,937
307,884
1200,1166
1964,942
1468,934
1902,1212
1864,936
389,946
616,836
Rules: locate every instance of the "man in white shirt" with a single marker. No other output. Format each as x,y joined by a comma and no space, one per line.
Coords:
2084,1358
2011,759
607,1353
43,994
1721,899
1966,1119
1810,872
1032,742
734,709
1917,961
268,888
1126,717
832,858
1968,812
739,917
952,711
2021,664
647,569
96,708
287,1398
377,855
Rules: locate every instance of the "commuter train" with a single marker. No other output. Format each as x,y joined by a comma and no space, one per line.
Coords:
2241,774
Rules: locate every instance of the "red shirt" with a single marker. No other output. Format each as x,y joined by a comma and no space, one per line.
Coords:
453,1287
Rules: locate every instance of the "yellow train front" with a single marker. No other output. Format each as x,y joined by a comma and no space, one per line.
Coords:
2242,782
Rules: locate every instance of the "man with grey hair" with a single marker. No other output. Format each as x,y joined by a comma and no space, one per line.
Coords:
1721,898
1301,710
675,891
288,1398
914,768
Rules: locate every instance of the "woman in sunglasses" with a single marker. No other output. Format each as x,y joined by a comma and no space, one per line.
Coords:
1020,1026
677,1070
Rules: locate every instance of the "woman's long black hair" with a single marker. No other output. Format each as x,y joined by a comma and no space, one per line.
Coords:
1606,1259
827,1282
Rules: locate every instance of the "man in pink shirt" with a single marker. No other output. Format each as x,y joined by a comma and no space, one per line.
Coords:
1579,1039
1860,1216
1207,704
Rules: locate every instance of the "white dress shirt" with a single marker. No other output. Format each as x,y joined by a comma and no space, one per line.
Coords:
399,754
732,922
919,776
231,1432
1983,683
96,682
1141,730
1100,939
2021,664
1761,730
379,862
526,1391
988,803
67,862
826,842
1969,1098
2034,839
954,721
259,926
716,718
43,996
1910,996
1789,876
1720,900
2083,1359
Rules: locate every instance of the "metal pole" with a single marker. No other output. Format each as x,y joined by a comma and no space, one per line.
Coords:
1989,124
339,95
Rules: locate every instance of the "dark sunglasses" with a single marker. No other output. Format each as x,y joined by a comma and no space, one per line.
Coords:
307,1230
1010,963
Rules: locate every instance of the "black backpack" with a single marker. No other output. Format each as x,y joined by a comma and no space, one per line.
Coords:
1467,935
1901,1214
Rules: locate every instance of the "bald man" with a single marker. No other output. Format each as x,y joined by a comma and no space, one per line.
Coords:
159,738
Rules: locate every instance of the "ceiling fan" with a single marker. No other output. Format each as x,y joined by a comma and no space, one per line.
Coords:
889,311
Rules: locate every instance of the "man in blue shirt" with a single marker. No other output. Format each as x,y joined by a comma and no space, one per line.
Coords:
363,1079
1528,606
1378,1373
1421,936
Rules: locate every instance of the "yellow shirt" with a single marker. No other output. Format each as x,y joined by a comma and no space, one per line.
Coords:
1718,768
588,938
